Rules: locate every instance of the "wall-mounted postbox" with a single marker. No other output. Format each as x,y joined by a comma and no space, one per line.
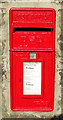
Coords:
32,58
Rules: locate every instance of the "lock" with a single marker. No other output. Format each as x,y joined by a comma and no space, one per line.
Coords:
32,59
19,80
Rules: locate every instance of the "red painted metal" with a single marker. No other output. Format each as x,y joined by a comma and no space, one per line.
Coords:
32,29
33,41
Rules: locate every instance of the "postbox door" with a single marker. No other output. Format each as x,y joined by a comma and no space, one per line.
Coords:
42,95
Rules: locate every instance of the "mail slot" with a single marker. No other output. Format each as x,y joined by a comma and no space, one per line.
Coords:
32,58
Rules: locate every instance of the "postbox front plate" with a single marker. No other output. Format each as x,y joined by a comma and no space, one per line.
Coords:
32,79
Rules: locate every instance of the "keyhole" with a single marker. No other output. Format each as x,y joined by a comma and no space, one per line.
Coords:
19,80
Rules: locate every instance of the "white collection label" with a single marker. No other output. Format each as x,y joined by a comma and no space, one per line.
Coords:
31,78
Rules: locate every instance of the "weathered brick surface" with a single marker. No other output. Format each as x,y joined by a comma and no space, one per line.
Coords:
27,0
0,62
61,47
57,1
32,0
4,14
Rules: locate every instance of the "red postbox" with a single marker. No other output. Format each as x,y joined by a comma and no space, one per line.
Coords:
32,58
